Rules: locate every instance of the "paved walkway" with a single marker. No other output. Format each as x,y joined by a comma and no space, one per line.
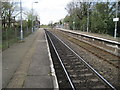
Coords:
27,65
0,70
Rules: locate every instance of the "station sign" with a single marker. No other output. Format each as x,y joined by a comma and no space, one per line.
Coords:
115,19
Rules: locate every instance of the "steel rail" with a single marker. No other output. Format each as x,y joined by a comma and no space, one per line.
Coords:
100,76
62,63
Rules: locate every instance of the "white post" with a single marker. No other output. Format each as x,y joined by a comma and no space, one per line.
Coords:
21,31
88,17
115,32
32,17
73,24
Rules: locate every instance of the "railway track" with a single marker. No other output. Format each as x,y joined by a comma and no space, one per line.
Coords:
72,71
106,56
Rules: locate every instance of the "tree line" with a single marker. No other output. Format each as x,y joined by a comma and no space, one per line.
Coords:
10,16
95,17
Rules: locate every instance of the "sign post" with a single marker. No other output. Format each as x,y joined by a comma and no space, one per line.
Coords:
116,19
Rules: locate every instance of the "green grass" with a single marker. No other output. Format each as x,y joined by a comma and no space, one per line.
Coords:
0,46
10,42
45,26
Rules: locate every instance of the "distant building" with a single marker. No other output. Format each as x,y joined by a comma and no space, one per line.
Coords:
37,23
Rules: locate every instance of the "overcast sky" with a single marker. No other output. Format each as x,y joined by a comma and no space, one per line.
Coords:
48,10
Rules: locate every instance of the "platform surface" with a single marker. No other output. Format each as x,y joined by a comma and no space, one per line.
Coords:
103,36
27,64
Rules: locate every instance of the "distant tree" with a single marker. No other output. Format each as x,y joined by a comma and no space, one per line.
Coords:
8,11
101,16
30,16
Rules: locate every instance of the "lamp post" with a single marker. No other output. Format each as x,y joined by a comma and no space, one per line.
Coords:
32,15
21,31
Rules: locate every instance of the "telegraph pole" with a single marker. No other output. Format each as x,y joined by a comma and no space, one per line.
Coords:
32,17
88,17
73,23
21,31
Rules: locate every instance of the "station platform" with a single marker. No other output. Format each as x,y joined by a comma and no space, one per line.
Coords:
28,64
104,36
